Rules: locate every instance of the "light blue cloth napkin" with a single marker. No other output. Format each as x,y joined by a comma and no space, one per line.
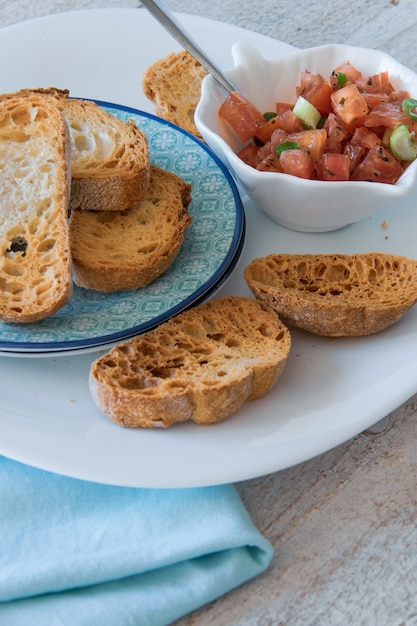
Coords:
75,553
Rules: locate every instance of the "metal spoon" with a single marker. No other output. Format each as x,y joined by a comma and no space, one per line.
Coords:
166,18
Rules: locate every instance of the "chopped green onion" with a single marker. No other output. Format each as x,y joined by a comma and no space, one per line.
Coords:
306,113
341,78
402,143
322,122
286,145
409,106
269,115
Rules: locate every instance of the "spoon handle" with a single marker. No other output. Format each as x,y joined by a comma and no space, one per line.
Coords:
166,18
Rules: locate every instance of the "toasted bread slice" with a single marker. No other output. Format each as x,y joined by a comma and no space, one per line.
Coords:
109,157
335,295
201,365
110,161
35,263
120,250
173,84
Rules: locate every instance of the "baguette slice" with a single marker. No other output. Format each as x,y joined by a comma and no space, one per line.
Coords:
120,250
35,263
109,157
335,295
173,84
110,161
201,365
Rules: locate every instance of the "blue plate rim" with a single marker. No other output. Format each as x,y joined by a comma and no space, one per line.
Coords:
103,346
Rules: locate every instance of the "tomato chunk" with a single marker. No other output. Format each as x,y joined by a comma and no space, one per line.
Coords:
349,105
373,99
297,162
316,90
398,96
355,154
336,133
289,122
277,138
270,164
378,166
249,154
334,167
365,138
375,84
281,107
242,115
386,114
264,133
348,71
313,141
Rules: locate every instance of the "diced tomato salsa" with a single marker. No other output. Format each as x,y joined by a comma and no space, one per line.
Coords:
357,115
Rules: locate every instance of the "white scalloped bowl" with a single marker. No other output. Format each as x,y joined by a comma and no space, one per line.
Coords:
296,203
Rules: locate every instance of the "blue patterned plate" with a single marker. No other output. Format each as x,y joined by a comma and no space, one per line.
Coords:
211,248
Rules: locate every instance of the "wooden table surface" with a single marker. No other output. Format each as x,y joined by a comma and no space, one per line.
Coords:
344,524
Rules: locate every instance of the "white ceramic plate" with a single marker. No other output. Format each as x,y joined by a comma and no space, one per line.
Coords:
331,389
211,247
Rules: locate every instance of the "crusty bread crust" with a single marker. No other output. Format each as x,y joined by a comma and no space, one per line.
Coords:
35,263
335,295
110,161
109,157
129,249
201,365
173,84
